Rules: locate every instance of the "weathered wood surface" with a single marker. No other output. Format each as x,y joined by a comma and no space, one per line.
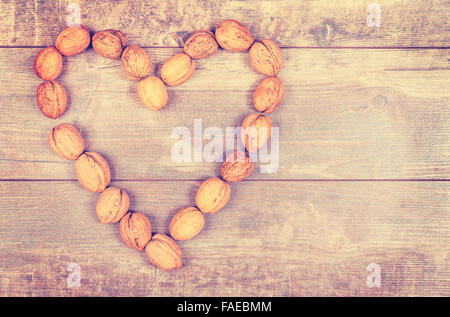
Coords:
292,23
347,114
355,109
274,238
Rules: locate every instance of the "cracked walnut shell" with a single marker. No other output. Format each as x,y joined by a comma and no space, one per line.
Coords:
236,167
187,223
135,230
51,99
212,195
163,252
201,44
112,205
266,57
233,36
93,171
109,43
66,141
136,63
73,40
268,95
48,63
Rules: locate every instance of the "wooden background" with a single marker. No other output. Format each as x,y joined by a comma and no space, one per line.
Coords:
364,153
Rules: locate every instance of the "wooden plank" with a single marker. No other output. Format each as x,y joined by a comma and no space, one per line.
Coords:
347,114
292,23
273,239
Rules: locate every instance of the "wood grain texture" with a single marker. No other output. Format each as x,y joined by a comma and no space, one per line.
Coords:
361,103
347,114
272,239
291,23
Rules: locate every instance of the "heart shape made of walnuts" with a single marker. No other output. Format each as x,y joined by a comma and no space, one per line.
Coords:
92,169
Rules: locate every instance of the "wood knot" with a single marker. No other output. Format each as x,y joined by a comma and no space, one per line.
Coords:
378,101
324,33
181,37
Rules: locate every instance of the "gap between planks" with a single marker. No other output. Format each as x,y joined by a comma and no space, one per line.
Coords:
248,180
296,47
